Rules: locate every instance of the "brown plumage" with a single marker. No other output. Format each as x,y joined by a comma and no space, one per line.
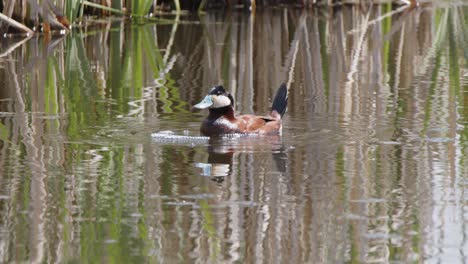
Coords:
222,120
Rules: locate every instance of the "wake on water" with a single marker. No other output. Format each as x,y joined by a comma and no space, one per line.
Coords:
168,136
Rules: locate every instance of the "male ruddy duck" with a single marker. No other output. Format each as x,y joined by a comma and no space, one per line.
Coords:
222,120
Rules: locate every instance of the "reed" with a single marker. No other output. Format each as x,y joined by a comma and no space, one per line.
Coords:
14,23
117,4
103,8
71,8
141,7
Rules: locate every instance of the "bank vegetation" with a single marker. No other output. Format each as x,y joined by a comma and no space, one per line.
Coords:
32,16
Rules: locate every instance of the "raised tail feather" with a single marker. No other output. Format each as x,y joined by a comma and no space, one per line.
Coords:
280,102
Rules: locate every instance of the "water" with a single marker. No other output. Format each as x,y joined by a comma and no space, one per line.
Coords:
371,166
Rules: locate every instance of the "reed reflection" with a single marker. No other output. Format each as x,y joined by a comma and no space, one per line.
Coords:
371,166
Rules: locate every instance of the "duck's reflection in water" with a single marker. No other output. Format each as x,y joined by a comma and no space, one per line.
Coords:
222,153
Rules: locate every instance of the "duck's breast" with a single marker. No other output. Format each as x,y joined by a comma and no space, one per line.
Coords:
219,126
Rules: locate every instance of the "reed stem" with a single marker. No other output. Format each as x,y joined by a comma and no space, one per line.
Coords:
103,7
81,10
16,24
177,5
201,6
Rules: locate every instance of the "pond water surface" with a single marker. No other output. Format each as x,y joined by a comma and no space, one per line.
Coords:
372,165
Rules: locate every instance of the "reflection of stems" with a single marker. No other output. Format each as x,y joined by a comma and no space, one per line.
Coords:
354,62
398,59
161,66
430,96
380,18
399,103
209,227
248,77
14,46
294,48
436,45
292,54
434,50
171,39
34,156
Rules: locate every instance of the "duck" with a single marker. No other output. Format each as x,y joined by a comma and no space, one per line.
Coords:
222,119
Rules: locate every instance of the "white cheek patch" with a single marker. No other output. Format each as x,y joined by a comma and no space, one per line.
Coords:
220,101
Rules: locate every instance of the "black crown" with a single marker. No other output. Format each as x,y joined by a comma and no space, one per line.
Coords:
218,90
